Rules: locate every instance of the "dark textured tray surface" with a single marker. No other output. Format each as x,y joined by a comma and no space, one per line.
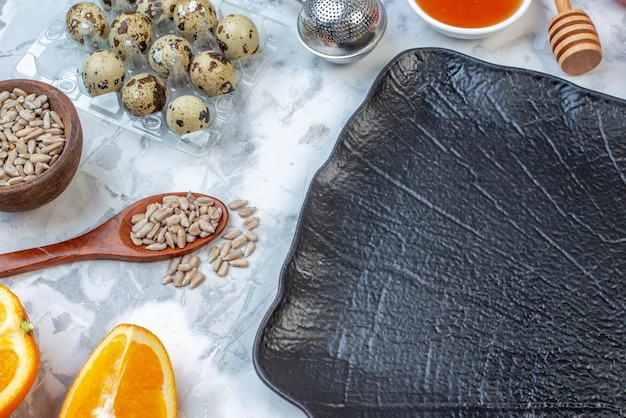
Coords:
462,252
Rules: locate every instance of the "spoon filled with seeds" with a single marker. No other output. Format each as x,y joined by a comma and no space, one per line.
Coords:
152,229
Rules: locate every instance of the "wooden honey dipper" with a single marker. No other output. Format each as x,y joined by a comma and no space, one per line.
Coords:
574,40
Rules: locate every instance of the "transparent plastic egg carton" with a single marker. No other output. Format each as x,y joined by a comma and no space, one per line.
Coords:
56,59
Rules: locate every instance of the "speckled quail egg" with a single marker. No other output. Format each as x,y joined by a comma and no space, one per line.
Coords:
237,36
85,11
213,73
187,114
149,8
108,4
130,25
144,94
103,72
189,13
164,49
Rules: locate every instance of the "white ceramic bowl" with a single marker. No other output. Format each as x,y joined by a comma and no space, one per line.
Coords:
469,33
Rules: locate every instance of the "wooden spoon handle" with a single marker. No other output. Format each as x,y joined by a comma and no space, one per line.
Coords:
562,5
47,256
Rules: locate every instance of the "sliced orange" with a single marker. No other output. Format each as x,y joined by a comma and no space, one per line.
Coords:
19,354
129,374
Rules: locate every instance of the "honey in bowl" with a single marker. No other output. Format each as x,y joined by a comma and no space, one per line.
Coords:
470,13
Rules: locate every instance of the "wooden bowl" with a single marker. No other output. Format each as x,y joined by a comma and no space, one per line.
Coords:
51,183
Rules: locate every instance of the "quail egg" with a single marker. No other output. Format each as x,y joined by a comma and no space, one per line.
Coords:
144,94
166,47
189,13
108,4
213,73
164,9
103,72
130,25
187,114
237,36
85,11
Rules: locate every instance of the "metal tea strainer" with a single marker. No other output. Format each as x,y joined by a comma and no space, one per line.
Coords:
341,31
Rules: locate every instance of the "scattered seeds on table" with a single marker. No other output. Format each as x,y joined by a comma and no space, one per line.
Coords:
237,245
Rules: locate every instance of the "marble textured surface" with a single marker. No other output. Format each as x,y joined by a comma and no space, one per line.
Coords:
284,133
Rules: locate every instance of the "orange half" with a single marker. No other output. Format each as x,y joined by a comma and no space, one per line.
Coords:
19,354
129,374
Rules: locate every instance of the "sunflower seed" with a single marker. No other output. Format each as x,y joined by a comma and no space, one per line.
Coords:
136,218
232,234
217,263
206,226
137,241
247,252
225,249
157,246
188,276
223,269
144,230
239,262
173,265
178,278
167,279
194,261
181,238
237,204
204,201
251,223
247,211
169,240
232,255
196,280
251,236
239,241
214,253
194,229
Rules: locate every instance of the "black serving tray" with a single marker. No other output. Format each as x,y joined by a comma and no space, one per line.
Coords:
461,253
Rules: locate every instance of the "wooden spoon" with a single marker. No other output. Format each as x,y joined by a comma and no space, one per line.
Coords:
111,241
574,40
